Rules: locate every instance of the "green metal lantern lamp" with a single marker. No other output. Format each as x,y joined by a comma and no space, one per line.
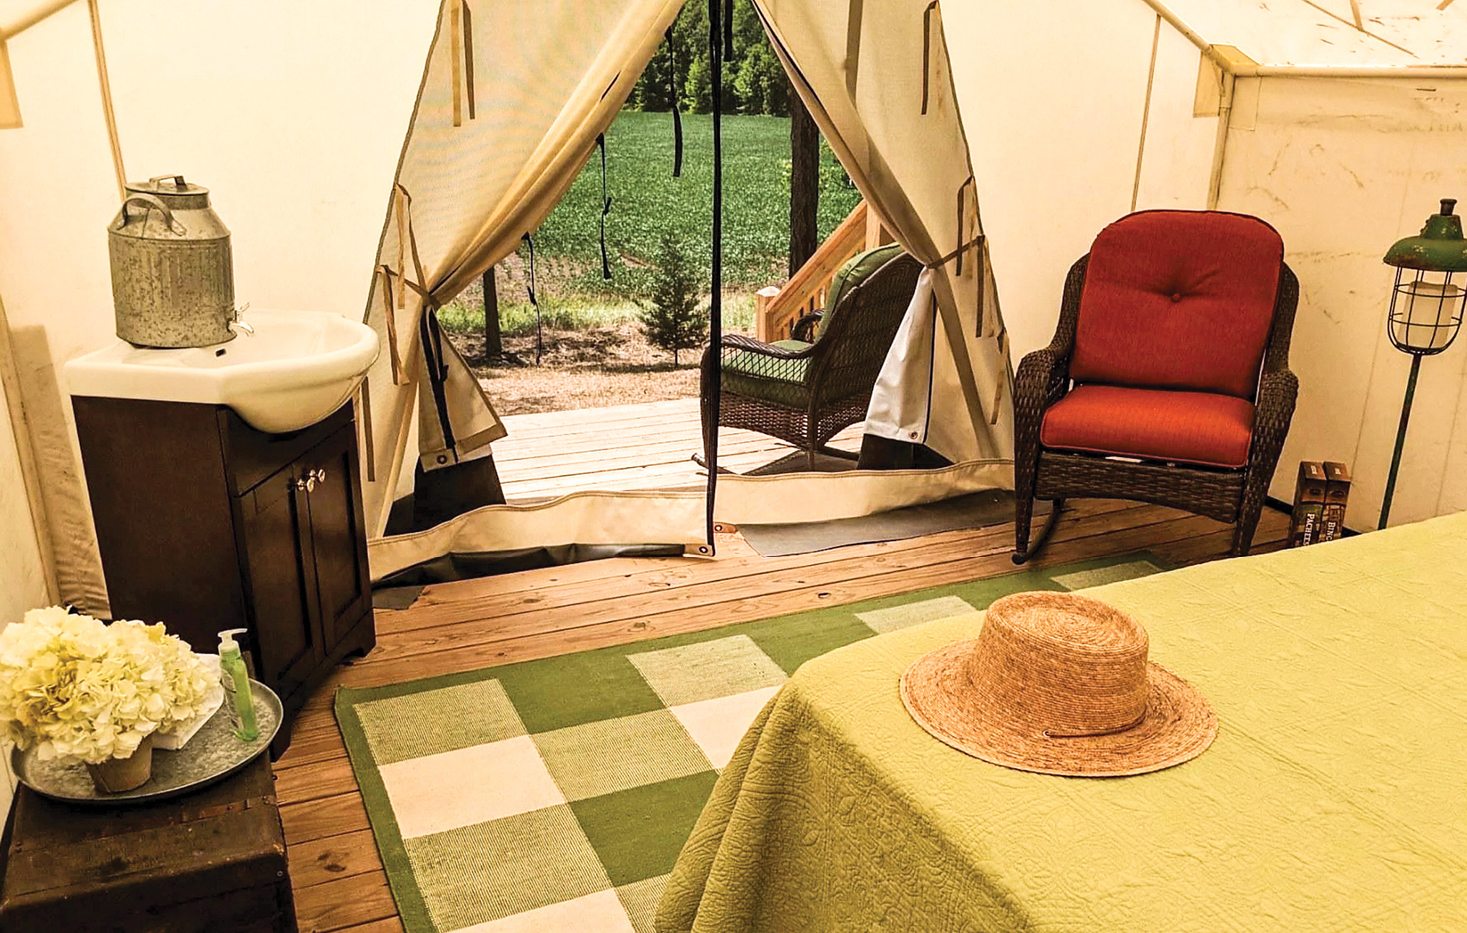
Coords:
1427,303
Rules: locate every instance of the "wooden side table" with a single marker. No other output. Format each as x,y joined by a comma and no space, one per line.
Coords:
214,861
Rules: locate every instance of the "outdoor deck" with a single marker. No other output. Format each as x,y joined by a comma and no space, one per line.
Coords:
338,878
645,446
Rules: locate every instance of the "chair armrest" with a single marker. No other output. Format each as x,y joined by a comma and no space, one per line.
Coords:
1041,379
1278,391
752,345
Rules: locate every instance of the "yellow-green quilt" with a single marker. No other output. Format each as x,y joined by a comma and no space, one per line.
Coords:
1335,796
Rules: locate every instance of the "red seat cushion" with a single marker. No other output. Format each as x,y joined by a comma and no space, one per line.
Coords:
1204,428
1179,300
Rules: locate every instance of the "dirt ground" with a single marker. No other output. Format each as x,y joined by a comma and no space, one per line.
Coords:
606,365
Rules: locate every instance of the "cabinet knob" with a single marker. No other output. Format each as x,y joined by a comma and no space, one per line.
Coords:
310,480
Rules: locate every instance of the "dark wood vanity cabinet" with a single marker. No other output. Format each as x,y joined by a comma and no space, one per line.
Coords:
206,524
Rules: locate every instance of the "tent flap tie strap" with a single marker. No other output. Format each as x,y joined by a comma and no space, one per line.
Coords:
530,291
927,54
605,210
389,311
462,60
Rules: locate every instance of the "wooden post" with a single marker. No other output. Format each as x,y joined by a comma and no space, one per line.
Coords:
493,340
804,183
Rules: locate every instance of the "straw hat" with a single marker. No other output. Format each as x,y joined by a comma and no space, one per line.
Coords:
1059,684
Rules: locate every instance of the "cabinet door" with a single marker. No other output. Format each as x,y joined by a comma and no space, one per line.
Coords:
338,546
287,647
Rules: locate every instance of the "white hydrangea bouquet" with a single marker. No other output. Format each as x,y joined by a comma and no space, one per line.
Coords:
81,691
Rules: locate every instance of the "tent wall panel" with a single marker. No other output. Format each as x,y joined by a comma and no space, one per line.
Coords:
290,113
1051,93
1177,159
1343,167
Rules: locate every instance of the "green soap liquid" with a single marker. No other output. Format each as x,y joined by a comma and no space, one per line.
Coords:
244,702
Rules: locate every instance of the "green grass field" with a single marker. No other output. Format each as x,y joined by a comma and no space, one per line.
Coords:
647,202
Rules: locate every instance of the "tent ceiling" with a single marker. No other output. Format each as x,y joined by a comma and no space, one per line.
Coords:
1322,33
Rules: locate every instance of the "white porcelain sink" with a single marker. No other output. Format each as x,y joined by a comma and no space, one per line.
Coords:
297,368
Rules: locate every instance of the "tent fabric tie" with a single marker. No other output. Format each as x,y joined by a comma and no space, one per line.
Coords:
396,298
963,219
462,60
998,385
389,311
927,54
431,337
605,210
677,113
534,298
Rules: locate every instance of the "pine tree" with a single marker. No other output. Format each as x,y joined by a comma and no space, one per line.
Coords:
675,318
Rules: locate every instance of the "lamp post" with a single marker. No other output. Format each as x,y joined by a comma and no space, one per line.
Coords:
1426,308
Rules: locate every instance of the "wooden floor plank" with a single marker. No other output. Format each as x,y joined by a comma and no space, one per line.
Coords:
470,625
344,902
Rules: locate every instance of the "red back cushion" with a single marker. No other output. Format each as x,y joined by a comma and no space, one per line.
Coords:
1179,300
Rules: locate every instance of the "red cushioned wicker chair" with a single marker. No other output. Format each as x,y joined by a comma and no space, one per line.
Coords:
1168,377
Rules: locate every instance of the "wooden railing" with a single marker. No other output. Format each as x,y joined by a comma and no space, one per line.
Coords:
777,308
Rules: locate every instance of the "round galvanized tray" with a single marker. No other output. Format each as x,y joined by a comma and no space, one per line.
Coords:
211,755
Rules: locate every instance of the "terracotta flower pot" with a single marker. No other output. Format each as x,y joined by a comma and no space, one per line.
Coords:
120,774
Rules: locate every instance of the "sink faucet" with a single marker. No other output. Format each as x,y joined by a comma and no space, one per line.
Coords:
247,329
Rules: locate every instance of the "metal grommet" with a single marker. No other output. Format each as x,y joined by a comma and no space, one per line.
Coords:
442,458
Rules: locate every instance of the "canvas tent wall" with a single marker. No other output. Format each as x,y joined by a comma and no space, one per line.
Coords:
299,131
296,131
1343,138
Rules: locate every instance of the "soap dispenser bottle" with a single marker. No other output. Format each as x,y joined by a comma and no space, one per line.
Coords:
237,685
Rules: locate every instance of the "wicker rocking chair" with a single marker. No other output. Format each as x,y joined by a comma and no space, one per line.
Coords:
807,392
1167,380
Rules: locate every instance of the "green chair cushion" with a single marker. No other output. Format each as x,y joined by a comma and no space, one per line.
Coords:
856,270
755,375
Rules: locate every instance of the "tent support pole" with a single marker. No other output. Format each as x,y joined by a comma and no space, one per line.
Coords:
1248,69
1220,145
33,17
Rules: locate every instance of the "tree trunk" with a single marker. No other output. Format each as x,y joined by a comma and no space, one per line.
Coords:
804,183
493,341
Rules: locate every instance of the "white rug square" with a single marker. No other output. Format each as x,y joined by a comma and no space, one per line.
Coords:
468,785
717,725
894,618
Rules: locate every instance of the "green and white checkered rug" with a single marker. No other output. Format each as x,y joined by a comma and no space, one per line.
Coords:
556,794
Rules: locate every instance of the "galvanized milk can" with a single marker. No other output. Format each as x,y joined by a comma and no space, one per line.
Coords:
172,272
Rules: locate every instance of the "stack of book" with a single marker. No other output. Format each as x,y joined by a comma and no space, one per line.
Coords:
1319,502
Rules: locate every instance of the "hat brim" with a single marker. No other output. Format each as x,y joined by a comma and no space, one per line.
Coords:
1178,725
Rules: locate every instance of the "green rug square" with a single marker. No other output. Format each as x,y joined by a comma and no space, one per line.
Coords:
638,833
599,758
487,871
1099,576
707,670
792,645
428,722
577,688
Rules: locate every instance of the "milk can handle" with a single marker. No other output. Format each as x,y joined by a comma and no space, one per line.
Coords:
155,203
178,181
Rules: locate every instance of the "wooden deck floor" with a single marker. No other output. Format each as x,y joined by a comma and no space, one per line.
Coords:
644,446
338,877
